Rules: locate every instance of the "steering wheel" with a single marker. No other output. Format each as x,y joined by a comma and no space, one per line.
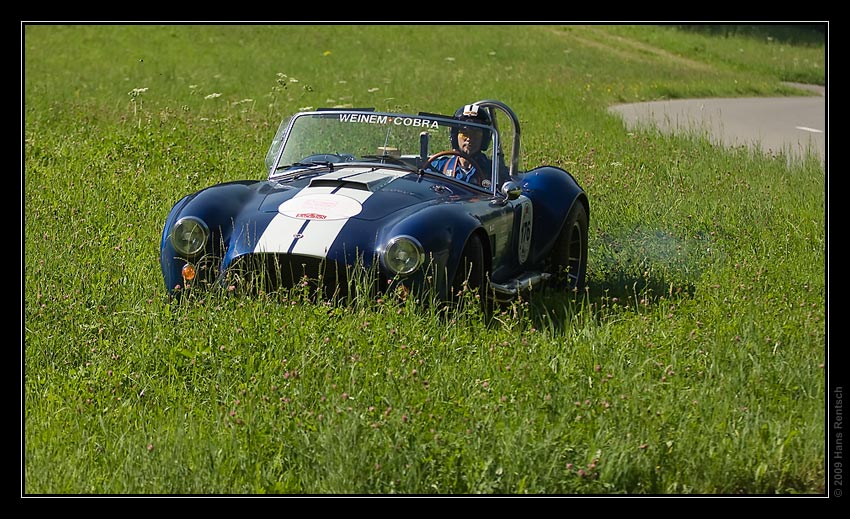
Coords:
479,177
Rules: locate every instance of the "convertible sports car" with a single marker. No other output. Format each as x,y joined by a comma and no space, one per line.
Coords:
356,191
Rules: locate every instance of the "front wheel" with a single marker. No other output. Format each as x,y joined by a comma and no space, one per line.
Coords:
568,259
472,277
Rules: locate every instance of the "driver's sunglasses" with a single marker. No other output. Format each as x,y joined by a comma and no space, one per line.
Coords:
470,132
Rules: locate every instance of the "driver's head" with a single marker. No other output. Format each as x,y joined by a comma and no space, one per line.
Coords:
470,139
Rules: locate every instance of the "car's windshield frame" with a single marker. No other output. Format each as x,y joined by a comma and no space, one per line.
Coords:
324,132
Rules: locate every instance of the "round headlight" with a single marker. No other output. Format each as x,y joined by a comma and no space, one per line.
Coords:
403,255
189,235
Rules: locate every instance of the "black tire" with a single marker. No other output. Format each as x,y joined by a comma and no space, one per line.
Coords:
568,259
472,273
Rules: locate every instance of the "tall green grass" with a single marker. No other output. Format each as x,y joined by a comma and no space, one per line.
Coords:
694,364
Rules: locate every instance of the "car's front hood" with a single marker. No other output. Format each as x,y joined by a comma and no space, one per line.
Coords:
310,221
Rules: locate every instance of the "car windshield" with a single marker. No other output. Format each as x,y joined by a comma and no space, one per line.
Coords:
321,138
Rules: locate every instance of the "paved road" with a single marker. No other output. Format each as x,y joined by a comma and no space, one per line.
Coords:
796,125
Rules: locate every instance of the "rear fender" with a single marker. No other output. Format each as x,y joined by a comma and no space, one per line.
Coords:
553,191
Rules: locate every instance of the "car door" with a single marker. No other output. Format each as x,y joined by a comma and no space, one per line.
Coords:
509,226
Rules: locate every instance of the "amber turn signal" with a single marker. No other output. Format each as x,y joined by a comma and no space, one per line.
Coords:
188,272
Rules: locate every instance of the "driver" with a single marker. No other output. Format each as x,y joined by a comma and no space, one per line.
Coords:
472,141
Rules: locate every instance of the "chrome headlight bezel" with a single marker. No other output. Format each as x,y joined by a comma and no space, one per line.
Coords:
403,255
189,236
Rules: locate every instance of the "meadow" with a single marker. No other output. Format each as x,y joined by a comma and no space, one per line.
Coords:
694,364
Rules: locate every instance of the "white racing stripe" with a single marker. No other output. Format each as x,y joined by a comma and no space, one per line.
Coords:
279,235
308,223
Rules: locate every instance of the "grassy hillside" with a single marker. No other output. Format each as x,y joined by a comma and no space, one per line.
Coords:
693,365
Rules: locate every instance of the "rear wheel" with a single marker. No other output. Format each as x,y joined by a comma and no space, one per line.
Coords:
568,259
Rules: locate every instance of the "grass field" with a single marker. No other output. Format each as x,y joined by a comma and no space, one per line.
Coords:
696,362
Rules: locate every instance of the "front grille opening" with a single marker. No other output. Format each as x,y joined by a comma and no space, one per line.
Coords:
317,278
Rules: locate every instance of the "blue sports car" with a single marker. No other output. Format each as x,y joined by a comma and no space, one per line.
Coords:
356,194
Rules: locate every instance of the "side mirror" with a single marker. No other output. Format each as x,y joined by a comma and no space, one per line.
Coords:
511,190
